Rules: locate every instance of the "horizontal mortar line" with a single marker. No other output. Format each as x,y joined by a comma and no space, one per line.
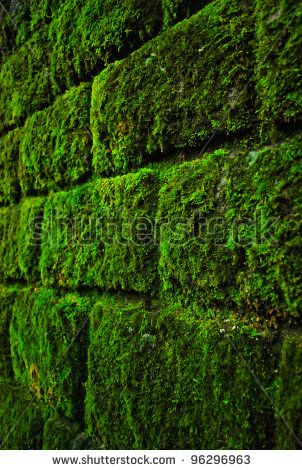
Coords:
186,154
79,289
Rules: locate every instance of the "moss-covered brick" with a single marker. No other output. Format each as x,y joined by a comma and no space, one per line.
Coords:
173,378
9,157
279,66
176,90
55,147
9,227
11,16
21,422
19,20
101,234
87,36
289,393
20,232
7,296
48,336
25,82
230,230
13,26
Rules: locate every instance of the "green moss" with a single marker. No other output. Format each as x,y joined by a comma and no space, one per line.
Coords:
21,424
48,336
289,393
176,90
86,37
29,237
167,378
230,225
101,234
48,46
12,19
55,147
7,296
279,69
25,82
19,20
9,225
63,433
9,157
20,230
176,10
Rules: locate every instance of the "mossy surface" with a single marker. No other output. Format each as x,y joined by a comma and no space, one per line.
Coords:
61,433
7,297
9,225
230,225
21,422
86,37
9,158
289,393
279,67
155,100
12,19
176,10
20,19
55,147
25,84
150,224
48,335
100,234
20,231
154,375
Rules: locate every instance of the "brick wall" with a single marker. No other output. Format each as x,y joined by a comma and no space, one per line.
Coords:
150,221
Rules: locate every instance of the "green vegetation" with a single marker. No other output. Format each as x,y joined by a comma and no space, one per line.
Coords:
279,66
91,235
153,376
289,393
154,100
7,297
20,231
55,147
9,157
20,19
12,16
21,422
47,46
48,335
86,37
176,10
25,82
230,232
150,224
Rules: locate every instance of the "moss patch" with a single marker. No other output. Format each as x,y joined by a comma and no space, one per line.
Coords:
230,230
48,336
9,157
7,297
100,234
289,393
20,232
169,378
155,100
279,68
55,147
87,37
25,84
21,424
